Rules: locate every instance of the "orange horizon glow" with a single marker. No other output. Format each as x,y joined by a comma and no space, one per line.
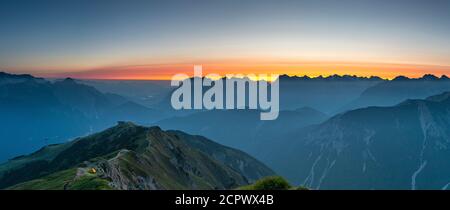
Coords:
311,69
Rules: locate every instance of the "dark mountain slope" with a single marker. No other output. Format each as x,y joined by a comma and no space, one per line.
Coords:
325,94
243,129
6,78
401,147
101,106
128,156
145,92
389,93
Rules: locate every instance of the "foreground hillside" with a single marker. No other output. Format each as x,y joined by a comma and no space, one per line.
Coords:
128,156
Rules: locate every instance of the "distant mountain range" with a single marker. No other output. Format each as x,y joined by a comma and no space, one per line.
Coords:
389,93
406,146
336,132
334,77
128,156
335,94
6,78
330,94
325,94
243,129
144,92
36,112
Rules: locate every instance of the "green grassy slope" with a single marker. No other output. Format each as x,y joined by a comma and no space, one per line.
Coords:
65,180
128,156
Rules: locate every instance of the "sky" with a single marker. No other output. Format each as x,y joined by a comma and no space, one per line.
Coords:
111,39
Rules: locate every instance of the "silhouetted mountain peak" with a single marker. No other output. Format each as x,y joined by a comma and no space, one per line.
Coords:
400,78
429,77
15,76
425,77
334,77
128,124
122,124
69,80
7,78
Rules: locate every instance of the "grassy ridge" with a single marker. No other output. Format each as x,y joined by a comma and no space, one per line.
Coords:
65,180
129,156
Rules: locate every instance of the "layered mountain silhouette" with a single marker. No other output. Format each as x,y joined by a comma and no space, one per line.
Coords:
145,92
350,133
129,156
405,146
330,95
325,94
389,93
6,78
243,129
36,112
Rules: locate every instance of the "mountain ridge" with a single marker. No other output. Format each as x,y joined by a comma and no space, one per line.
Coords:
128,156
405,146
54,111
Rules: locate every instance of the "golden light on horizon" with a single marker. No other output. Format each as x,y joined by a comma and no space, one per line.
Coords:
252,70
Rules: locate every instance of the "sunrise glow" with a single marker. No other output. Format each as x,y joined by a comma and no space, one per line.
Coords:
155,40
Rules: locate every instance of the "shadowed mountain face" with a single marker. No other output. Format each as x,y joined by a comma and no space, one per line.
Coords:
325,94
400,147
147,93
128,156
36,112
389,93
243,129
